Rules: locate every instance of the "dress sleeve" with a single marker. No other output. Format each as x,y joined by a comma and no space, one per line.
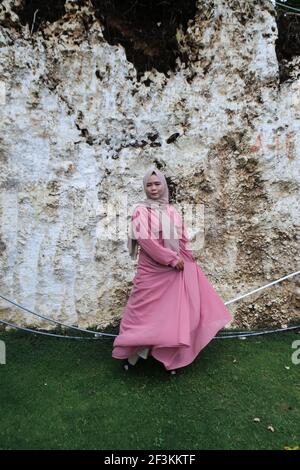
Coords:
141,230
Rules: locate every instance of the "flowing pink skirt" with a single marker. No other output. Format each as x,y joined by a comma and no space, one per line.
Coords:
174,313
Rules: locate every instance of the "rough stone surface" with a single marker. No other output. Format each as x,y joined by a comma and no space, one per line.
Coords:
78,130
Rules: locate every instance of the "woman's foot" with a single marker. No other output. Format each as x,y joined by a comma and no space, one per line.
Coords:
126,365
172,372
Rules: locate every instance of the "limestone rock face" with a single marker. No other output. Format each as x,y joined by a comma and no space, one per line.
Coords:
79,127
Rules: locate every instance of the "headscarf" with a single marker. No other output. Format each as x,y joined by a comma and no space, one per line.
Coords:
160,208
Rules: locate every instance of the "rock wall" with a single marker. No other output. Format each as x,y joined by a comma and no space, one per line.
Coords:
80,124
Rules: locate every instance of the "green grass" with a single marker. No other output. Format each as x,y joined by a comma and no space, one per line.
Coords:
64,394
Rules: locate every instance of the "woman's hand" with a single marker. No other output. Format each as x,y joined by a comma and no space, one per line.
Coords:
180,264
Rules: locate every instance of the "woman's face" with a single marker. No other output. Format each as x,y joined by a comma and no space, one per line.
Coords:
154,187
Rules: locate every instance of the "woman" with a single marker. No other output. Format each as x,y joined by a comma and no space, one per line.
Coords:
173,311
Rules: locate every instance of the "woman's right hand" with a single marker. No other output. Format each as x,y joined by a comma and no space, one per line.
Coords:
180,264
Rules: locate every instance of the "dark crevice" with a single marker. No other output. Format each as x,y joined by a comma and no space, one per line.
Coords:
173,138
137,144
147,30
158,164
51,11
172,189
153,136
90,140
288,42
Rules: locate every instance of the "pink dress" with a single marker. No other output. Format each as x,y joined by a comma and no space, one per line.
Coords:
173,313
